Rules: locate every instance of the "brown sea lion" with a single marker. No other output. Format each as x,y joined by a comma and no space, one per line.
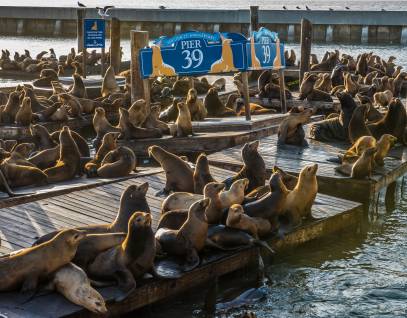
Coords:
22,175
383,146
307,85
101,125
179,175
78,89
239,220
109,85
131,259
61,114
72,282
20,153
235,195
45,158
383,98
202,175
79,140
300,200
74,107
69,162
27,268
291,131
24,114
196,107
190,239
363,167
88,105
36,105
42,137
129,131
119,162
359,146
253,169
138,112
10,110
357,125
171,112
183,123
214,105
152,120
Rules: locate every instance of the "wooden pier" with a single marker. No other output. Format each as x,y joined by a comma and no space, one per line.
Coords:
21,224
292,159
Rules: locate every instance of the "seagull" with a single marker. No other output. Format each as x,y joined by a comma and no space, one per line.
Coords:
307,8
284,7
161,7
383,9
298,7
81,5
347,8
103,11
330,9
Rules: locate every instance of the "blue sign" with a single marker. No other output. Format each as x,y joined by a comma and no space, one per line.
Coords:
265,51
94,33
194,53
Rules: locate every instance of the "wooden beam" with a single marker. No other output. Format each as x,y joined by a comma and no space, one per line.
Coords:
81,13
115,51
254,19
139,40
246,97
282,91
306,41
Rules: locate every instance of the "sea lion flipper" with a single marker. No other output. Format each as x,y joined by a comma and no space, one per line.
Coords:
265,245
126,282
162,193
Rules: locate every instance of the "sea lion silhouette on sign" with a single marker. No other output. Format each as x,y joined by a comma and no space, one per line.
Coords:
277,60
255,61
94,26
225,63
159,67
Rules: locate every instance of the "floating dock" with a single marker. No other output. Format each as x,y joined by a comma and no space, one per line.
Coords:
22,223
292,159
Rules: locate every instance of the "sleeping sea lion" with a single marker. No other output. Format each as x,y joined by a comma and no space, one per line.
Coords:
119,162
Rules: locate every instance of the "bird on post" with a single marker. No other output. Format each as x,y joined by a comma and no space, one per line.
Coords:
81,5
103,12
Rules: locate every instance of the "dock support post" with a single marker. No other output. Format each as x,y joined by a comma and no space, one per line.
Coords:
246,97
390,197
80,38
364,39
403,39
57,27
216,28
306,41
283,101
177,28
210,299
329,34
115,52
254,19
139,87
291,33
20,27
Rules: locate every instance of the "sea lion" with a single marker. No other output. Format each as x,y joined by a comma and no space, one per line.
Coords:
101,125
171,112
300,200
307,85
79,140
219,84
291,131
363,167
253,168
129,131
69,162
45,158
326,65
326,84
393,123
190,239
28,267
74,107
21,175
119,162
359,146
78,89
61,114
45,115
88,106
131,259
10,110
109,84
183,123
138,112
42,137
72,282
202,175
239,220
20,153
214,105
350,86
152,120
24,114
196,107
179,175
383,98
132,199
383,145
36,105
357,125
235,195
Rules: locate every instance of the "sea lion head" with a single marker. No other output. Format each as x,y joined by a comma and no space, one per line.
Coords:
276,183
134,192
182,106
71,237
212,91
213,188
14,97
139,105
26,102
198,209
309,171
192,95
156,152
64,97
100,111
250,147
93,301
235,212
202,162
110,138
139,220
240,185
389,139
24,149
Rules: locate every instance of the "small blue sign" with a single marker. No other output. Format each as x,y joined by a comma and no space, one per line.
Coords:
194,53
94,33
265,51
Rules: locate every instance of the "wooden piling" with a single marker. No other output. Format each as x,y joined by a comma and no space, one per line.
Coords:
80,37
306,40
281,78
254,18
139,87
246,97
115,51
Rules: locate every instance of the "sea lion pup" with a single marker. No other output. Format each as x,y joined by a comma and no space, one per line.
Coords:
24,114
74,107
239,220
27,268
195,105
383,146
78,89
138,112
202,175
152,120
109,85
190,239
10,110
41,137
69,162
130,260
79,140
394,122
101,125
335,128
171,112
357,125
129,131
183,124
108,144
132,199
300,200
383,98
119,162
253,169
214,106
291,131
179,175
72,282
